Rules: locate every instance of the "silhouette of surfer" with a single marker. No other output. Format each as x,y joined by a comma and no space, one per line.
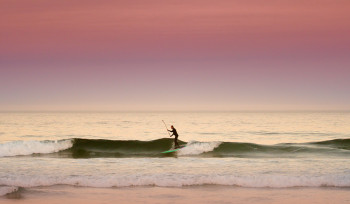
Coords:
173,130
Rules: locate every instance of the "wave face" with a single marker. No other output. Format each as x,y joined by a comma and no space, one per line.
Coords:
92,148
337,143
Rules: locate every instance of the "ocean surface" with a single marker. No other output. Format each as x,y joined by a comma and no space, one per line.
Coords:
123,149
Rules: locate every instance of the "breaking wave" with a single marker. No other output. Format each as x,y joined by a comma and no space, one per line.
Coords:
17,148
4,190
93,148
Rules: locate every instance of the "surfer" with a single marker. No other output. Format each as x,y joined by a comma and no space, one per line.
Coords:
173,130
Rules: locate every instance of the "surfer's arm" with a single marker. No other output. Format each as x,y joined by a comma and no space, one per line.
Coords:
171,132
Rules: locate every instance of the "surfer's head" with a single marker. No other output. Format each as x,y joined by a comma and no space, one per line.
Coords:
172,127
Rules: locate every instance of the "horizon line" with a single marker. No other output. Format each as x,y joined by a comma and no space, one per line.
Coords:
177,111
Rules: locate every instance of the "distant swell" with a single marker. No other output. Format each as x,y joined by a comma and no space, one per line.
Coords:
91,148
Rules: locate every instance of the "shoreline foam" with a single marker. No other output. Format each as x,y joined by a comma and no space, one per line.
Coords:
202,194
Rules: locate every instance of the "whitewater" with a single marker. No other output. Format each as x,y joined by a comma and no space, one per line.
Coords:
120,150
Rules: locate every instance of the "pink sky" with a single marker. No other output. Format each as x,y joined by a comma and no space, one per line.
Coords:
193,54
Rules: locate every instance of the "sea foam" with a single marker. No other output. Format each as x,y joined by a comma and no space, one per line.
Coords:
195,148
179,180
4,190
17,148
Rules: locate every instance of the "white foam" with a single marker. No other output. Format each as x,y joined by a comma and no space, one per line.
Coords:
30,147
179,180
194,148
7,189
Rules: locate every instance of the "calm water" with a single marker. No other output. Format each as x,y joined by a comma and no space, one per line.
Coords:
123,149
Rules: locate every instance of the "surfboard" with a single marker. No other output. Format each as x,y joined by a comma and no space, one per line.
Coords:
174,150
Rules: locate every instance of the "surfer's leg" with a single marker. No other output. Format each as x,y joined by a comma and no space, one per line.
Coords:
176,144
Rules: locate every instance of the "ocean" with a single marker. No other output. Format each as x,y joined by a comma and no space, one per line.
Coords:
116,151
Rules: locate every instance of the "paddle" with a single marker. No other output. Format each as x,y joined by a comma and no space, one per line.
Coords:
166,128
